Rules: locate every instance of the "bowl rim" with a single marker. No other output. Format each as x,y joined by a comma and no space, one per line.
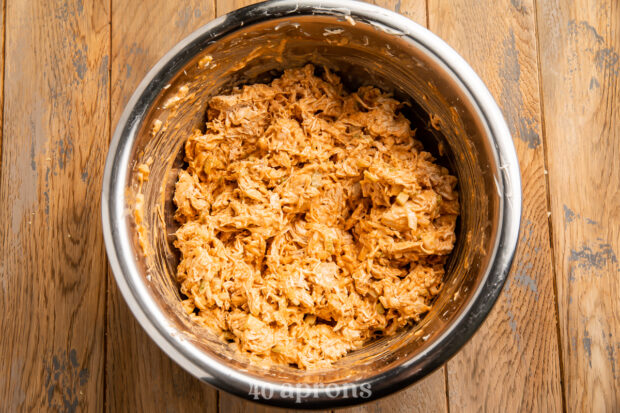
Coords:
147,312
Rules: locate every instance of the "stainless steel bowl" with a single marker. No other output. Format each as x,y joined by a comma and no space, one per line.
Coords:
365,44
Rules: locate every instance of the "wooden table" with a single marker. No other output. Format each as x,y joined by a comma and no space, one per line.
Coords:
69,343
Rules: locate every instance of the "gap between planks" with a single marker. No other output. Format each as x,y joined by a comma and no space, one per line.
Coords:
2,81
107,269
548,193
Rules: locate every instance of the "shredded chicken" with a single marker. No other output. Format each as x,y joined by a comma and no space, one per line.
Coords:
311,220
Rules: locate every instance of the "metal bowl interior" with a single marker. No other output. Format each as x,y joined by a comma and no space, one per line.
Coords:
365,45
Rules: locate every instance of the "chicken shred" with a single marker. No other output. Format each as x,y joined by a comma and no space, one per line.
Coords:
311,220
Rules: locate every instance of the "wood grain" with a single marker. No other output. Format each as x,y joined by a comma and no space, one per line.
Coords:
512,362
2,51
416,10
426,396
226,6
140,377
580,71
52,260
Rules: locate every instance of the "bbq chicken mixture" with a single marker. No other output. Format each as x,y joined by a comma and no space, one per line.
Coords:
311,220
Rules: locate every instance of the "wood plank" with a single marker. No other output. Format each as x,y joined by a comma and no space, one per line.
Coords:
413,9
140,377
52,260
512,363
2,51
226,6
580,71
426,396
